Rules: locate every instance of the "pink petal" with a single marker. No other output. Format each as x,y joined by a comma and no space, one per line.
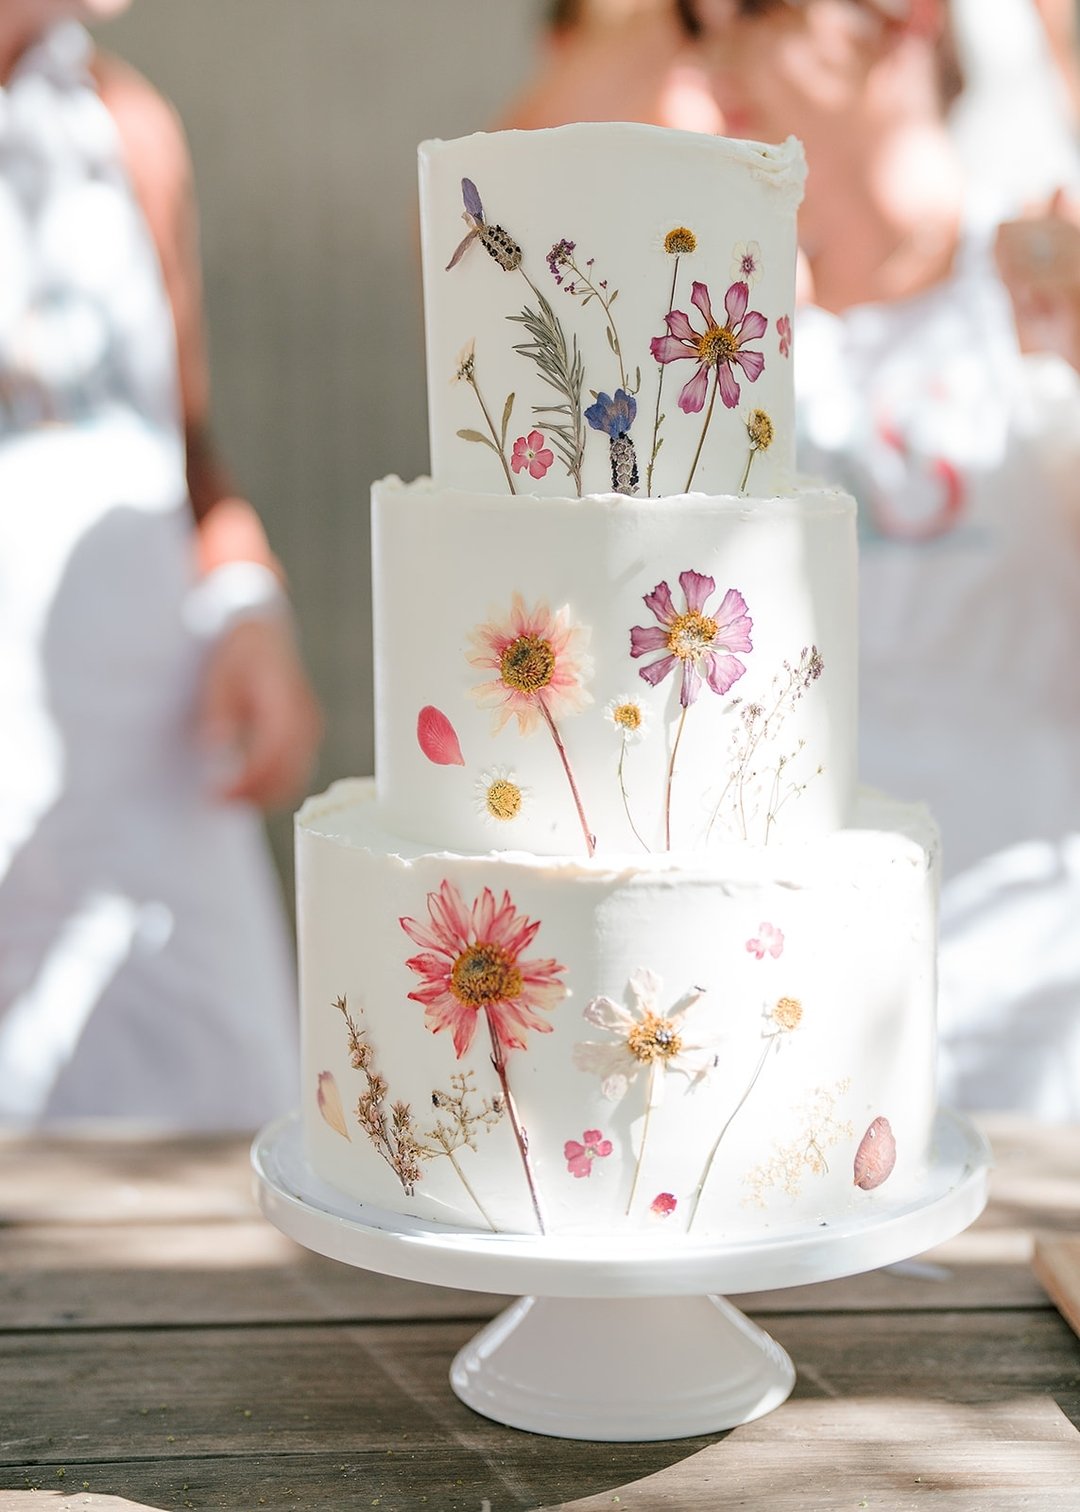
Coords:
700,297
729,389
448,915
536,440
422,935
660,602
752,364
756,948
670,349
733,624
546,457
753,326
572,1150
735,301
438,738
876,1155
663,1205
658,671
537,468
692,398
721,671
691,684
592,1136
697,587
518,461
520,446
646,638
581,1165
604,1147
679,325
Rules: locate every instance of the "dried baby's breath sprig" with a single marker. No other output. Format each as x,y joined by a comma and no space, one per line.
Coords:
393,1134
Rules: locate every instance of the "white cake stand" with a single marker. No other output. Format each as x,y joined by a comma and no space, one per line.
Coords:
621,1338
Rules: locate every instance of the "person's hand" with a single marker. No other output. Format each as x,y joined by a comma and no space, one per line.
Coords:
1038,257
258,714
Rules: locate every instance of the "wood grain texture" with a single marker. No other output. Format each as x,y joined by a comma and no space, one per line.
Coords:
1057,1265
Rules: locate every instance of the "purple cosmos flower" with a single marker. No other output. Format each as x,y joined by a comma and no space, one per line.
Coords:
718,347
703,643
613,416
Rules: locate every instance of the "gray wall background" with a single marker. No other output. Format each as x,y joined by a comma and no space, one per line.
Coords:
303,118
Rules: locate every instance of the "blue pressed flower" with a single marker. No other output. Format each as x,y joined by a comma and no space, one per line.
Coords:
613,416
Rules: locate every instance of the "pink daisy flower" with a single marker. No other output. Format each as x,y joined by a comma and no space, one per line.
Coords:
719,347
783,330
471,965
539,659
530,451
704,643
580,1156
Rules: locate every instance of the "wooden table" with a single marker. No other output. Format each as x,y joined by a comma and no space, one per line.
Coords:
163,1347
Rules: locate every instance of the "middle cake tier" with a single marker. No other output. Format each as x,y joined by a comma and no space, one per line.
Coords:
613,675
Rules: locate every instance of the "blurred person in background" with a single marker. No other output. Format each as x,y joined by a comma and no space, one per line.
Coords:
937,379
151,693
614,60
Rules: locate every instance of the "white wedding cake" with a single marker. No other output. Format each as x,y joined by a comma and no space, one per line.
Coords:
613,942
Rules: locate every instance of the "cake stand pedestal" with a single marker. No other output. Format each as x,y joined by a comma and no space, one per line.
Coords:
623,1338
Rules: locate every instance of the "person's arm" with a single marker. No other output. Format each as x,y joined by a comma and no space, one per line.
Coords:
1038,257
257,703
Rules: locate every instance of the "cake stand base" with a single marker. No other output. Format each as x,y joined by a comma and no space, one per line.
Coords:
622,1340
630,1371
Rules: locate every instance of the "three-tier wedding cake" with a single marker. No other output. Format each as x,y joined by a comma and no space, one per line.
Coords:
613,942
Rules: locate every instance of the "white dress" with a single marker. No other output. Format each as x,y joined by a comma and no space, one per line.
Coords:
144,967
965,459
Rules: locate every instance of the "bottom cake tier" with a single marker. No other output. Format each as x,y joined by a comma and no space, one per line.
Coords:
654,1043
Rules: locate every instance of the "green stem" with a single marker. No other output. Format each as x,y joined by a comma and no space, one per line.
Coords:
671,778
626,800
494,434
644,1137
659,391
704,429
746,474
730,1120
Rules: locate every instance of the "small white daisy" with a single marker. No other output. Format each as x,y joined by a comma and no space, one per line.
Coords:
746,263
644,1037
500,798
629,717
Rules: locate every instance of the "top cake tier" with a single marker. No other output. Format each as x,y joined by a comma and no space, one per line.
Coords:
608,308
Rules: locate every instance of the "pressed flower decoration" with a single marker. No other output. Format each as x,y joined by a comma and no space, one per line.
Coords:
783,330
645,1038
717,349
768,941
629,718
472,965
580,1154
760,430
746,263
541,665
499,796
437,737
330,1105
704,644
679,242
663,1205
530,451
876,1155
614,415
496,242
495,440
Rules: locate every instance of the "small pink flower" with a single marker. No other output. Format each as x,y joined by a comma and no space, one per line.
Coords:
579,1157
720,347
437,737
769,941
663,1205
530,451
703,643
783,327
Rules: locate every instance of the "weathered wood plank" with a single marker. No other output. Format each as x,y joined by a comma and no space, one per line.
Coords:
1057,1265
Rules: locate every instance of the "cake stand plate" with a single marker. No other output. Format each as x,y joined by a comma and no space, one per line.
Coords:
625,1338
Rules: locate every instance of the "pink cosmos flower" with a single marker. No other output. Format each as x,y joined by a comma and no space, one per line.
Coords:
471,965
783,328
539,658
718,347
579,1157
769,941
663,1205
530,451
703,643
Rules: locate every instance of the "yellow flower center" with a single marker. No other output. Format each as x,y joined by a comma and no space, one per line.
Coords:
760,430
680,240
528,664
654,1039
484,974
717,345
787,1013
627,716
503,799
691,634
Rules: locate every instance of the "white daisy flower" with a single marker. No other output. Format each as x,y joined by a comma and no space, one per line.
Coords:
644,1038
629,717
500,798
